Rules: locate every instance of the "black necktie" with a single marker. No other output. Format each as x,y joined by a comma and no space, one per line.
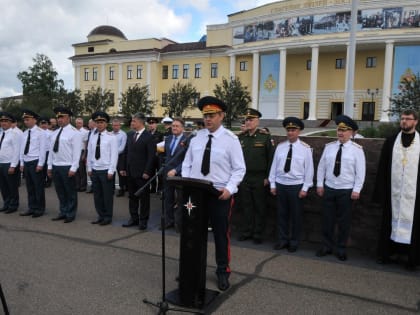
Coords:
288,160
2,138
57,141
135,136
205,165
28,143
98,147
337,164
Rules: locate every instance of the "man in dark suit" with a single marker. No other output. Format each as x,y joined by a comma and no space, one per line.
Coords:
140,152
175,148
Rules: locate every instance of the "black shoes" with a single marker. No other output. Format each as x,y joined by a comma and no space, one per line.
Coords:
130,223
342,256
37,214
257,240
223,281
98,221
142,226
68,220
292,249
281,245
323,252
10,210
244,237
26,213
120,193
3,209
59,217
105,222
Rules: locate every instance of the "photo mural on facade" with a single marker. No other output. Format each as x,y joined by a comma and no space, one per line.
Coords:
380,18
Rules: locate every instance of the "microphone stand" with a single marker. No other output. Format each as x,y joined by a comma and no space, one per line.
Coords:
163,305
3,302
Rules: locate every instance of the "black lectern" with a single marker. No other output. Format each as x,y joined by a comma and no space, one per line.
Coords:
192,290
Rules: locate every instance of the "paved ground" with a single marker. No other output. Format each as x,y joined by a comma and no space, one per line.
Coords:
52,268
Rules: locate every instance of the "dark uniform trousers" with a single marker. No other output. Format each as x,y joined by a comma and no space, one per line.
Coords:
81,176
253,201
9,186
103,193
65,187
47,180
289,210
337,205
35,186
134,184
122,180
219,213
173,215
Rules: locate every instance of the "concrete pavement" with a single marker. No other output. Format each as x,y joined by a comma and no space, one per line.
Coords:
54,268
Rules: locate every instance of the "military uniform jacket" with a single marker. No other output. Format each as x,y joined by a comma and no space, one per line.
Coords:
352,171
301,166
258,152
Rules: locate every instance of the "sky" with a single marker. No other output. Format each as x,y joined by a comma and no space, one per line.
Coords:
50,27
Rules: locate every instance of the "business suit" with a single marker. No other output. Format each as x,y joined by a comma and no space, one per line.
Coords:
173,162
139,160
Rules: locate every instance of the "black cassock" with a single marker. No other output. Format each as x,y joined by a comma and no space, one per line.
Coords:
382,195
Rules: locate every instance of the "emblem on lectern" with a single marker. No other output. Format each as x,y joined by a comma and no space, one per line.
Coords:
189,205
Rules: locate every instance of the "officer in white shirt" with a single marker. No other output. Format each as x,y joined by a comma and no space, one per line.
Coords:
101,165
223,164
121,141
291,176
81,176
9,163
63,162
43,123
32,160
340,178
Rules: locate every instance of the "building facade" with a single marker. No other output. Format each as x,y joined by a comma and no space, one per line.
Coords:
292,55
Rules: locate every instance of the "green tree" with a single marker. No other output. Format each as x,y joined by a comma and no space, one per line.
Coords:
40,84
135,100
70,99
235,96
408,96
98,99
180,97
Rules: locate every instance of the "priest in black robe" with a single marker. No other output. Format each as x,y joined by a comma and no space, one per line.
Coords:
397,189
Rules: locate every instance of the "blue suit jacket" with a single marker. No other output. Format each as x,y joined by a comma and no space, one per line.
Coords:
179,154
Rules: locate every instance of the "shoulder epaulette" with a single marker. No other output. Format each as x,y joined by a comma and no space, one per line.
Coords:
357,145
73,128
305,144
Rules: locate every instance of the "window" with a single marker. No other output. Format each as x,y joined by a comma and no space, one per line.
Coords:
371,62
185,71
91,49
164,99
213,71
139,71
164,72
196,98
309,64
129,72
340,63
175,69
197,72
243,66
95,74
111,72
86,74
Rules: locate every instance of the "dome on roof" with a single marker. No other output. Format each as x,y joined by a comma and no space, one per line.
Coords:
107,30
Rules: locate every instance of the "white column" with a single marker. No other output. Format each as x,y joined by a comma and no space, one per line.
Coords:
282,84
386,89
314,82
103,76
255,76
232,66
149,73
120,87
76,76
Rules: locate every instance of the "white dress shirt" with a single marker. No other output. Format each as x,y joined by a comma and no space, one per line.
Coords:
69,148
227,165
37,144
10,147
121,140
109,153
301,166
352,169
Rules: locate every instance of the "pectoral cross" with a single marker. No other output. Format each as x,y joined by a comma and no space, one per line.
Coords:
404,161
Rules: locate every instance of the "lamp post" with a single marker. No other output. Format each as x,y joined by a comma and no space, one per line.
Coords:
372,93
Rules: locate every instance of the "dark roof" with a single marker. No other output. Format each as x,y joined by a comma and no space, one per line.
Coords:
107,30
184,47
